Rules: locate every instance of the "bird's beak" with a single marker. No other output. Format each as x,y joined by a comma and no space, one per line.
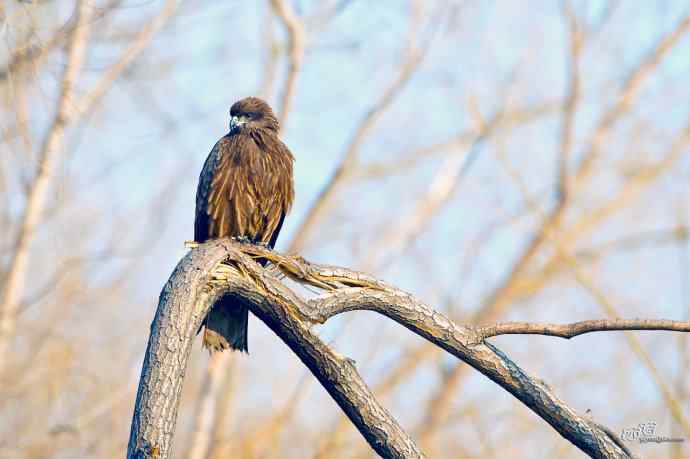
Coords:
236,122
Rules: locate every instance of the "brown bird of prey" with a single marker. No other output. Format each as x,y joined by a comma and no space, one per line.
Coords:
245,190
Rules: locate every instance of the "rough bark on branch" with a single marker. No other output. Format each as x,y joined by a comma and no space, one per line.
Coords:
223,267
197,282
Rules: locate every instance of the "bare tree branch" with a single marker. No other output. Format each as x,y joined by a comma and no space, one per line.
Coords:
568,331
518,282
509,119
572,100
223,267
38,194
414,56
678,235
217,372
627,96
178,318
135,48
296,46
409,362
584,279
31,53
441,189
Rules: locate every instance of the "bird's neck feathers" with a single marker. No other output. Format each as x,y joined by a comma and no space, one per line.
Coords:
266,140
258,135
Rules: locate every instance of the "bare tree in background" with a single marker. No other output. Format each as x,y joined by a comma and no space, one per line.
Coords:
58,243
499,165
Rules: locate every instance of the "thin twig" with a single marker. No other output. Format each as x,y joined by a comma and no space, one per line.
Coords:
568,331
627,97
414,57
48,159
296,46
571,101
140,42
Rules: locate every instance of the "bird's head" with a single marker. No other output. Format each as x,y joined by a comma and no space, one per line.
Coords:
252,113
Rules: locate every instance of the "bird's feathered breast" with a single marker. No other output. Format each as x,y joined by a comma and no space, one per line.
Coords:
245,188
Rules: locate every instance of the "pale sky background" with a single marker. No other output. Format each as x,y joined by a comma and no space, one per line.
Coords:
162,119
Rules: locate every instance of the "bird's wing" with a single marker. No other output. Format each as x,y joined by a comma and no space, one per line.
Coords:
277,189
201,220
276,231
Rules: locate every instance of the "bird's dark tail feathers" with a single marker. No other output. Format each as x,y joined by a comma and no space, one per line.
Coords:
226,326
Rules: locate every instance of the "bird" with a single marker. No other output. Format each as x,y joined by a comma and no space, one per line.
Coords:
245,190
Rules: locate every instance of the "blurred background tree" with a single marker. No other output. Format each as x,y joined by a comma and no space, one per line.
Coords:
499,162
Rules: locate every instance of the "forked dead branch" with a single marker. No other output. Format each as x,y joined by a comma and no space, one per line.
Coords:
224,267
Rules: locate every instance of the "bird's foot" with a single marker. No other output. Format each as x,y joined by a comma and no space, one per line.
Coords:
191,244
242,239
